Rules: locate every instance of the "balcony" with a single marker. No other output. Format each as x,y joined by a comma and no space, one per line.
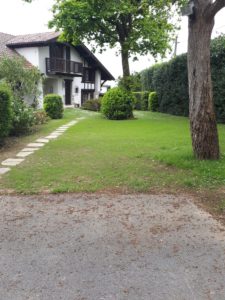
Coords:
62,66
88,75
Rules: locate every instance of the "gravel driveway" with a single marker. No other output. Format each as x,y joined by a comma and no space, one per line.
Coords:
100,247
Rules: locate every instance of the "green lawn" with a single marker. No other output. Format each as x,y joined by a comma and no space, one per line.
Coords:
151,152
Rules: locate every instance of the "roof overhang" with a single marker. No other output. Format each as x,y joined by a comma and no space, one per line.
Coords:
81,49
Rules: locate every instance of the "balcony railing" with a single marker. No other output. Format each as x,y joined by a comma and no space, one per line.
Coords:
88,75
63,66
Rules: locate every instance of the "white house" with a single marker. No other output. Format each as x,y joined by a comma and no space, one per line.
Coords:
72,72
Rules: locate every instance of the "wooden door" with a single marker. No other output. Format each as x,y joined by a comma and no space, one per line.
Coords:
68,92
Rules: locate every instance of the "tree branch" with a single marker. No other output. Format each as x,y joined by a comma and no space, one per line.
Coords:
216,7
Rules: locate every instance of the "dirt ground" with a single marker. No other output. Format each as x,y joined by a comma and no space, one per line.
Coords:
101,247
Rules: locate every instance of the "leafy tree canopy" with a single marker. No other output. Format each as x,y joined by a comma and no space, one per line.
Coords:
23,81
137,26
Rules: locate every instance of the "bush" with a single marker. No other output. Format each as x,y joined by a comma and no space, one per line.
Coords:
5,111
40,117
137,100
153,104
144,100
22,81
23,118
93,105
117,104
131,83
53,106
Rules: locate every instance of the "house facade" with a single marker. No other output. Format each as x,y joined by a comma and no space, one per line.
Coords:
73,72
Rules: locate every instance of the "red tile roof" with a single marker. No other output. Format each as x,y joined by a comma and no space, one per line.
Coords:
33,38
8,52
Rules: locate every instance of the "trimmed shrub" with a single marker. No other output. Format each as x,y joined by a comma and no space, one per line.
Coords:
144,100
40,117
140,100
53,106
137,100
117,104
23,118
5,111
153,104
93,105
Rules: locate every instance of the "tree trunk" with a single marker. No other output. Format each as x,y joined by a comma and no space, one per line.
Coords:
202,115
125,63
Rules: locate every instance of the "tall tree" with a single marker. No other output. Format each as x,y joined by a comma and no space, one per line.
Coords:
137,26
202,116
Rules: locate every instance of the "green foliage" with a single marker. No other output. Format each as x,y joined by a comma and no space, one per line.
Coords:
22,80
153,103
144,100
139,27
117,104
40,117
22,118
141,100
131,83
53,106
137,100
93,105
5,111
218,76
170,81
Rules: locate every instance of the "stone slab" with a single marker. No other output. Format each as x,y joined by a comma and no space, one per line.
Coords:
12,162
35,145
4,170
24,154
52,137
57,133
42,141
29,149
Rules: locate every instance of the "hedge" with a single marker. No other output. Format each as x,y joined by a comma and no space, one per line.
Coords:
141,100
5,111
170,81
153,103
92,105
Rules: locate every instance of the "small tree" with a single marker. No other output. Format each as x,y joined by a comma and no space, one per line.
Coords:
22,80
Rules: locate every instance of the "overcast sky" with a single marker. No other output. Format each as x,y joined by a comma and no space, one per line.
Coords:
17,17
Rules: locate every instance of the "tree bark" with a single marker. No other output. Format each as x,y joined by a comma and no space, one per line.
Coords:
125,63
203,124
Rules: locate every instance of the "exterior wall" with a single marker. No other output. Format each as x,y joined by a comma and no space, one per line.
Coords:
77,84
97,83
43,54
75,56
54,85
31,54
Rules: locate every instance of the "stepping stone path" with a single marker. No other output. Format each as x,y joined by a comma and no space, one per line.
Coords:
11,162
35,145
4,170
24,154
32,147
